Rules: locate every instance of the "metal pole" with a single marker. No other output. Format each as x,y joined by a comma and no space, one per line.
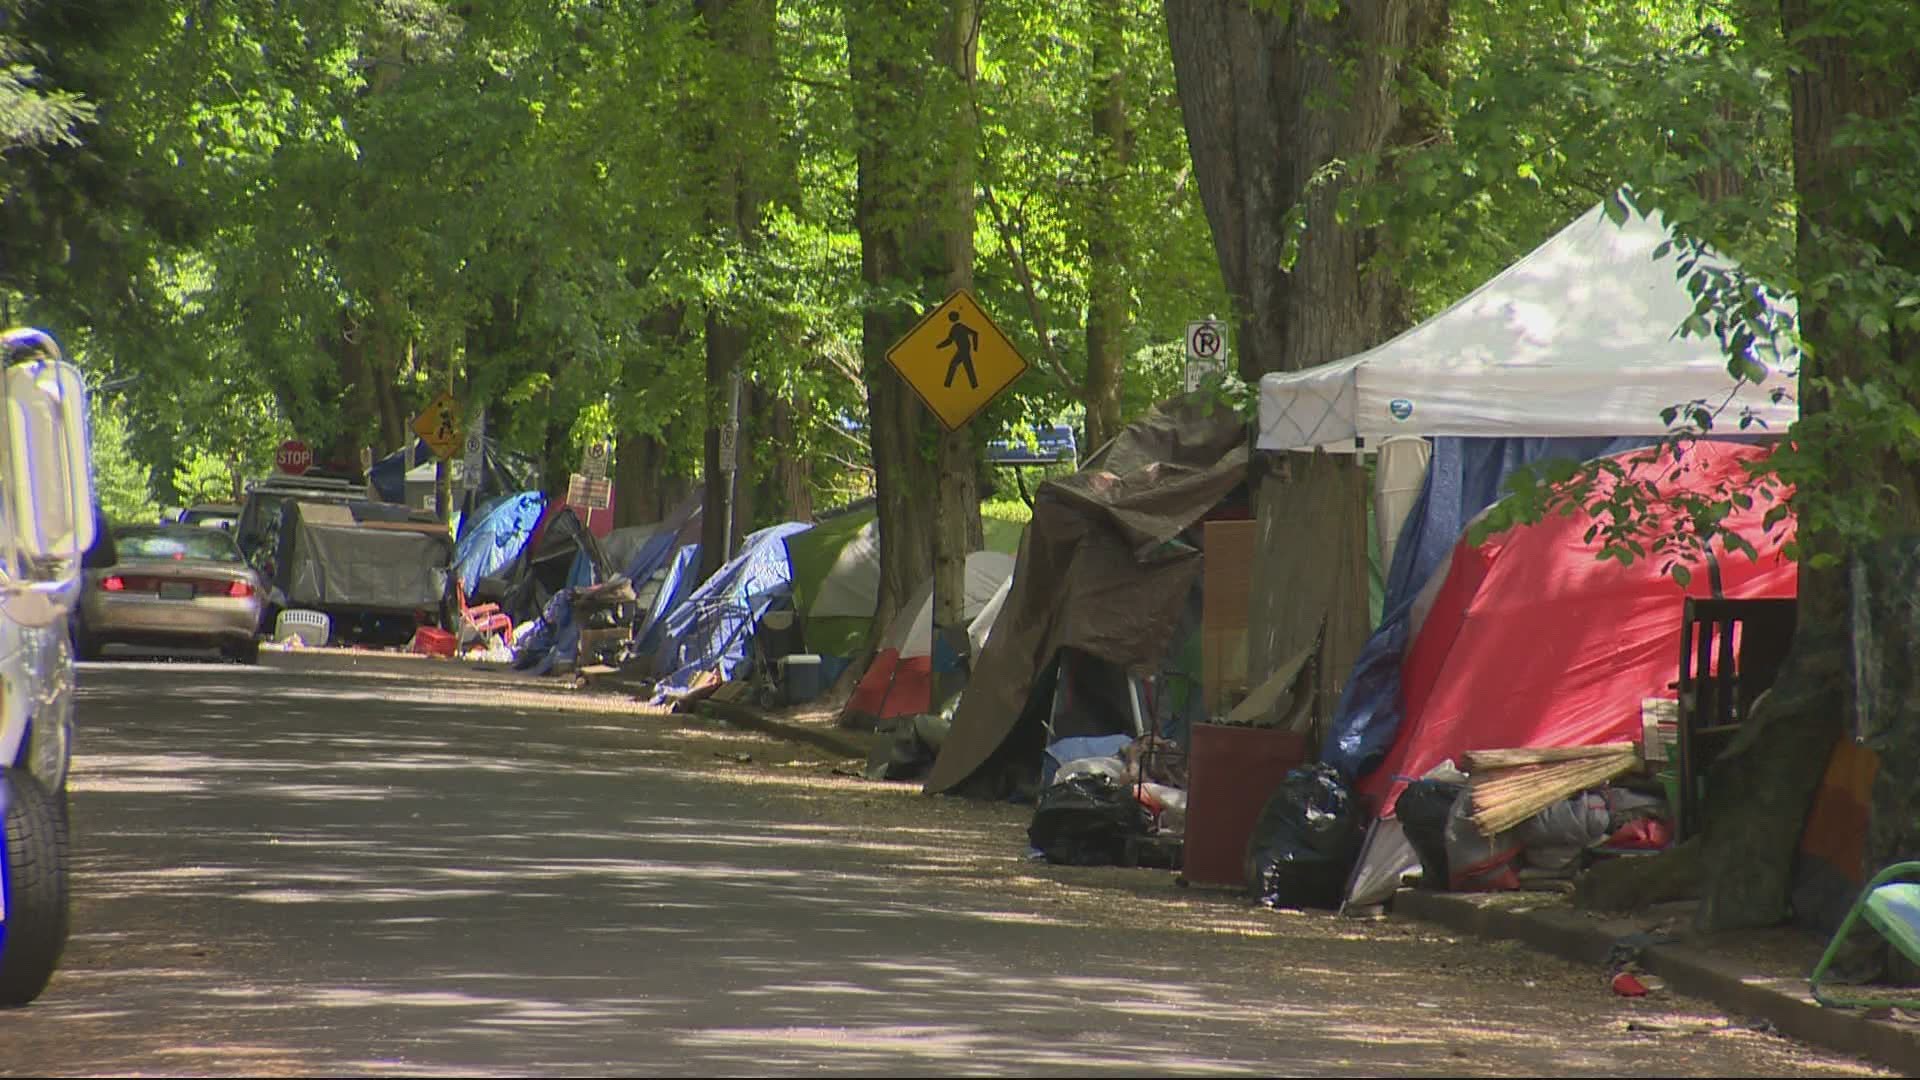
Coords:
729,461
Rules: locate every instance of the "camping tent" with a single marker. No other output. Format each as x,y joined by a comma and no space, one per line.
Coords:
1104,571
836,580
899,682
1580,337
1530,640
711,629
497,538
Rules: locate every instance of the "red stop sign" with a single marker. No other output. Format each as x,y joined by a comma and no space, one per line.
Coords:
294,457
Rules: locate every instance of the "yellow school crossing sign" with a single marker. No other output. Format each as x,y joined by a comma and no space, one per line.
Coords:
957,360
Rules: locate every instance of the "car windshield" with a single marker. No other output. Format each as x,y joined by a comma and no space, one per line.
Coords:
189,543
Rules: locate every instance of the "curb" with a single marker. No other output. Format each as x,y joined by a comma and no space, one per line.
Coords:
754,720
1688,970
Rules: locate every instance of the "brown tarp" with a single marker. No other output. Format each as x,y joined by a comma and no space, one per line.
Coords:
1096,571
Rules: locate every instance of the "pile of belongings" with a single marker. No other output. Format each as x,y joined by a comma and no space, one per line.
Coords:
561,635
1101,795
1529,818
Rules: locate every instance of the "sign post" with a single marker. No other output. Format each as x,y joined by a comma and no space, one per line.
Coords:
957,361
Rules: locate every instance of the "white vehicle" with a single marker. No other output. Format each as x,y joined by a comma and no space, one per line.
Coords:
46,524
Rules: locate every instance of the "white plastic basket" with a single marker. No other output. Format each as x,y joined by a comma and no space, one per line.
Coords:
311,627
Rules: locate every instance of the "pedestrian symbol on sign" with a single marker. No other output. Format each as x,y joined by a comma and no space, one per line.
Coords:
964,340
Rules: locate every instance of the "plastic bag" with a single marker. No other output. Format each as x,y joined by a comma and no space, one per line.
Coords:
1305,842
1422,808
1086,820
1477,863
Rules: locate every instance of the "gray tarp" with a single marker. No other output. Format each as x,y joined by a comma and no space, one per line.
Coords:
328,563
1096,572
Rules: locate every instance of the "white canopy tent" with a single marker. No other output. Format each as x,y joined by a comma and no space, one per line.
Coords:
1578,338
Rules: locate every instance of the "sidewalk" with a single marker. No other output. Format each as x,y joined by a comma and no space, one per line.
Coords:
1761,976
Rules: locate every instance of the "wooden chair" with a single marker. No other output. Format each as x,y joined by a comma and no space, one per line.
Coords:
1730,652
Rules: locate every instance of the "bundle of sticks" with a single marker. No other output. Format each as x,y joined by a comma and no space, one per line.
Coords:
1510,786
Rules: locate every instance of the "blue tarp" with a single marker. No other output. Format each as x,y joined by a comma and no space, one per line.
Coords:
660,548
710,630
497,538
1466,476
683,570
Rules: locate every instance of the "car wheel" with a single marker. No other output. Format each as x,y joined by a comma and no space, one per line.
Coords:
247,652
36,888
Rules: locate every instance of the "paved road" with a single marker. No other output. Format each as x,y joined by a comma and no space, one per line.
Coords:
292,872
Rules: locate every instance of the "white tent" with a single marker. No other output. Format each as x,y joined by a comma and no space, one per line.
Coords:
1580,337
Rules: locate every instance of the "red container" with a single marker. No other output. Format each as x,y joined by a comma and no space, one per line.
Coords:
433,641
1232,772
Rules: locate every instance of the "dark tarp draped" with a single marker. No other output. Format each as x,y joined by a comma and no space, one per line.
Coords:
1101,570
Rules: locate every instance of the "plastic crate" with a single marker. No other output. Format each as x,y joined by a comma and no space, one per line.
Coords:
433,641
313,628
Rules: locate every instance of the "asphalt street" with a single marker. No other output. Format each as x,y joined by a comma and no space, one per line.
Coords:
283,871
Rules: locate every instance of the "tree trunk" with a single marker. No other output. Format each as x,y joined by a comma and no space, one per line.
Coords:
787,492
718,525
957,506
1109,312
1279,104
1760,792
741,38
642,488
909,65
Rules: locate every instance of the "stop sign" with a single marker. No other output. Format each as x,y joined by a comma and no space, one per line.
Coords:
294,457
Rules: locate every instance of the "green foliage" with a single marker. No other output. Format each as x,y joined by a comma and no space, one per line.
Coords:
122,484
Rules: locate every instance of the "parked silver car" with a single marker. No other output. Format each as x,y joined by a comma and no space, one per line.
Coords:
172,585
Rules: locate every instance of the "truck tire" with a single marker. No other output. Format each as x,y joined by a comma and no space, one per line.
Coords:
36,883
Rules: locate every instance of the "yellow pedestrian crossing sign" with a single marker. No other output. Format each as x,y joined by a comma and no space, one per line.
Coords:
957,360
439,425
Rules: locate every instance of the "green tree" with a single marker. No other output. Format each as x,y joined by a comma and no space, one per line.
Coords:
123,486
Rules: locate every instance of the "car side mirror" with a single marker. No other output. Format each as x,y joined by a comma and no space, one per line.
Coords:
46,481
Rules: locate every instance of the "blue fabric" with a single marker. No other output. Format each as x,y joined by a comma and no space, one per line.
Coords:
389,474
1465,476
555,637
660,548
1075,747
497,538
674,589
711,629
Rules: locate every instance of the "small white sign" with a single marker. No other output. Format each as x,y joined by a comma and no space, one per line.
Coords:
473,455
729,447
1206,351
593,464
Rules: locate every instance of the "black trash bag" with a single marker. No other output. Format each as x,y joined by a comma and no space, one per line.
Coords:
1086,820
1305,842
1422,809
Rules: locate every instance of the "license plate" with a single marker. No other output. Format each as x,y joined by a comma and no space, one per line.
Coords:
176,590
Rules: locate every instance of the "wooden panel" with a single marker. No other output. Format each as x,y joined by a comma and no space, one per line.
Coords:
1226,591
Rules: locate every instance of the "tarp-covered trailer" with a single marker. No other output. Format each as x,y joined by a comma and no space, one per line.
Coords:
377,574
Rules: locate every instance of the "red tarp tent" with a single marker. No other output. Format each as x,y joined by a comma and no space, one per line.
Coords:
1531,641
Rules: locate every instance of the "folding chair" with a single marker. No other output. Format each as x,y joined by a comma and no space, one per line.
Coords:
1893,908
478,621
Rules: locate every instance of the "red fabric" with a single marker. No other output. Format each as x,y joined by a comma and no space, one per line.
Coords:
893,686
1531,641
